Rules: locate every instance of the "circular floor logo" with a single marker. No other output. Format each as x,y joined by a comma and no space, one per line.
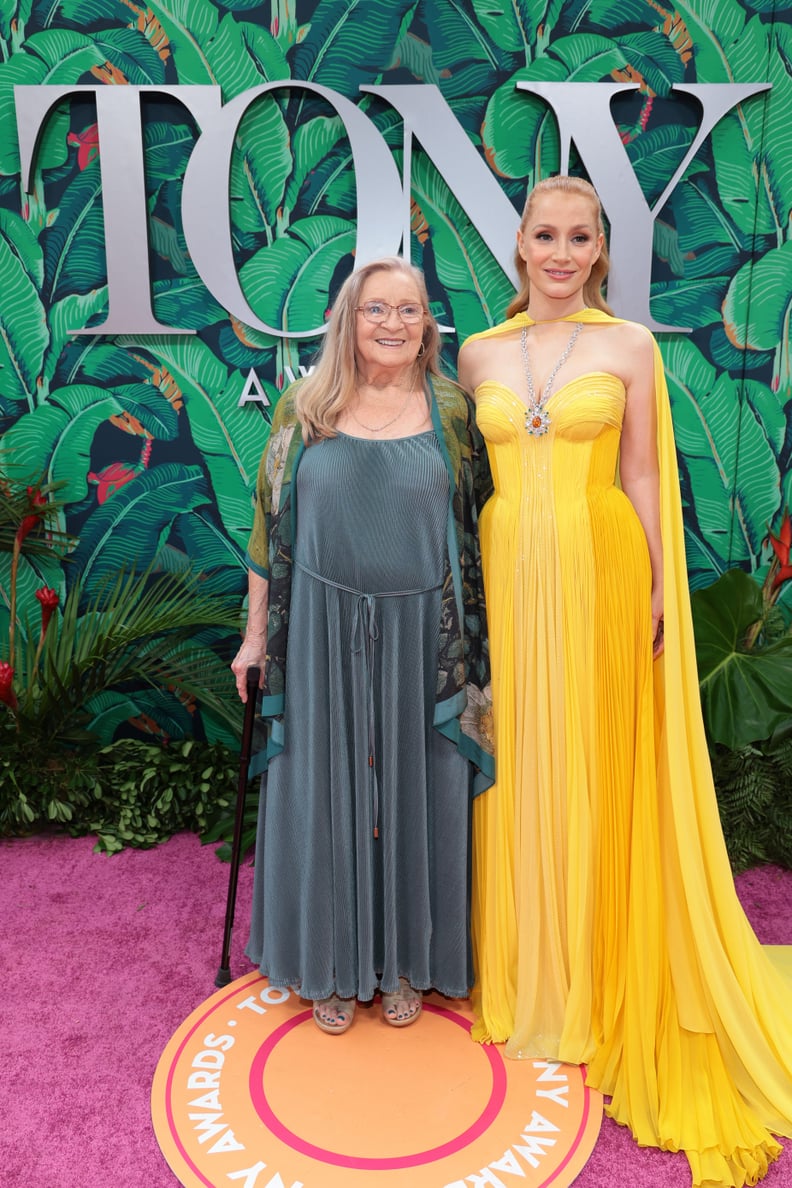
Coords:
249,1093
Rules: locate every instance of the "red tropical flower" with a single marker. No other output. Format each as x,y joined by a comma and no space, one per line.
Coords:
7,694
49,604
782,544
37,501
88,142
111,479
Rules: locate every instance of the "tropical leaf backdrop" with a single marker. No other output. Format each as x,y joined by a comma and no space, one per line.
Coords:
156,454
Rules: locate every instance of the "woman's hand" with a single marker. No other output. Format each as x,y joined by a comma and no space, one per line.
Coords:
658,626
253,653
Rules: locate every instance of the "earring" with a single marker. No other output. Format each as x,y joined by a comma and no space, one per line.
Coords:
421,349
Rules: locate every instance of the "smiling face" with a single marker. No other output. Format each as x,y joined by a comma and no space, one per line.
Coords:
559,241
392,346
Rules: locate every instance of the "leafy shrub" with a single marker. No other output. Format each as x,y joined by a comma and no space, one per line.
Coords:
744,654
130,793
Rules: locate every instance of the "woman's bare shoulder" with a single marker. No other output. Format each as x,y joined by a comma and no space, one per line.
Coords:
633,344
480,354
631,335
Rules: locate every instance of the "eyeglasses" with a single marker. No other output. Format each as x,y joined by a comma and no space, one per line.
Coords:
380,311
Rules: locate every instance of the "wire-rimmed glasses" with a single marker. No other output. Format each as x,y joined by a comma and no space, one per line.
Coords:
409,312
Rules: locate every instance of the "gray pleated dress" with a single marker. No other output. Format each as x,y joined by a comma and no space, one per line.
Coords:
362,865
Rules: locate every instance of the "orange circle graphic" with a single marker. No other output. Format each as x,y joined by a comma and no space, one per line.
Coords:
249,1092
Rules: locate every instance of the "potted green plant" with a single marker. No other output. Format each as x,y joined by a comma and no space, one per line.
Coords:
72,662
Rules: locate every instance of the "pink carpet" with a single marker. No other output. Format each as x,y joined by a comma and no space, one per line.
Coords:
103,957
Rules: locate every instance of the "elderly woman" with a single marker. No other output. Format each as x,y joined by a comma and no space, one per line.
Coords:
364,559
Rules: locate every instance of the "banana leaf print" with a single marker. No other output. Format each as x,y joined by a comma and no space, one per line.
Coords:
23,326
55,439
288,283
467,56
260,170
713,436
475,285
334,54
132,526
157,457
187,26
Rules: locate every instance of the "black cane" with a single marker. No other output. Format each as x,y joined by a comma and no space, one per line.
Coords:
252,678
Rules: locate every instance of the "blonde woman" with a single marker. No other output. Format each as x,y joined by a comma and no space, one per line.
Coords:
607,930
364,558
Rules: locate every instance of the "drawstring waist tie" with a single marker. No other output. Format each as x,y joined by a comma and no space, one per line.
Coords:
365,634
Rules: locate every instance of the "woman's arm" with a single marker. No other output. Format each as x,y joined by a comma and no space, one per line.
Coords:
638,462
253,651
469,364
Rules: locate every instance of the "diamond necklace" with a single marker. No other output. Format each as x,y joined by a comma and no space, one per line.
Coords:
392,421
537,418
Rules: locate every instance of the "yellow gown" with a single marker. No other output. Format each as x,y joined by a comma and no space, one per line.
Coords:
606,926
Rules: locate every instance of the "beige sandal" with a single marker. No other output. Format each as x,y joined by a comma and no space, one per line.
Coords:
402,1008
338,1023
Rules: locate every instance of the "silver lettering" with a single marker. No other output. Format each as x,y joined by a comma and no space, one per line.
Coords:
123,188
205,209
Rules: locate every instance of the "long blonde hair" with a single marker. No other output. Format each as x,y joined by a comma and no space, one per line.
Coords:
325,393
592,290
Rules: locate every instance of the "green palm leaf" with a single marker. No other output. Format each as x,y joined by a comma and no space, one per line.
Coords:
14,16
520,133
288,283
65,54
189,24
135,629
55,439
462,49
74,260
476,286
313,141
167,150
186,302
700,219
24,335
704,565
655,154
712,25
214,550
259,171
689,301
109,710
241,57
331,184
589,57
72,312
333,52
758,302
104,362
24,69
230,438
134,524
724,354
742,138
731,467
132,53
510,26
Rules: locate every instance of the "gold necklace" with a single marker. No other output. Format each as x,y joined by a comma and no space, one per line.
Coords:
392,421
